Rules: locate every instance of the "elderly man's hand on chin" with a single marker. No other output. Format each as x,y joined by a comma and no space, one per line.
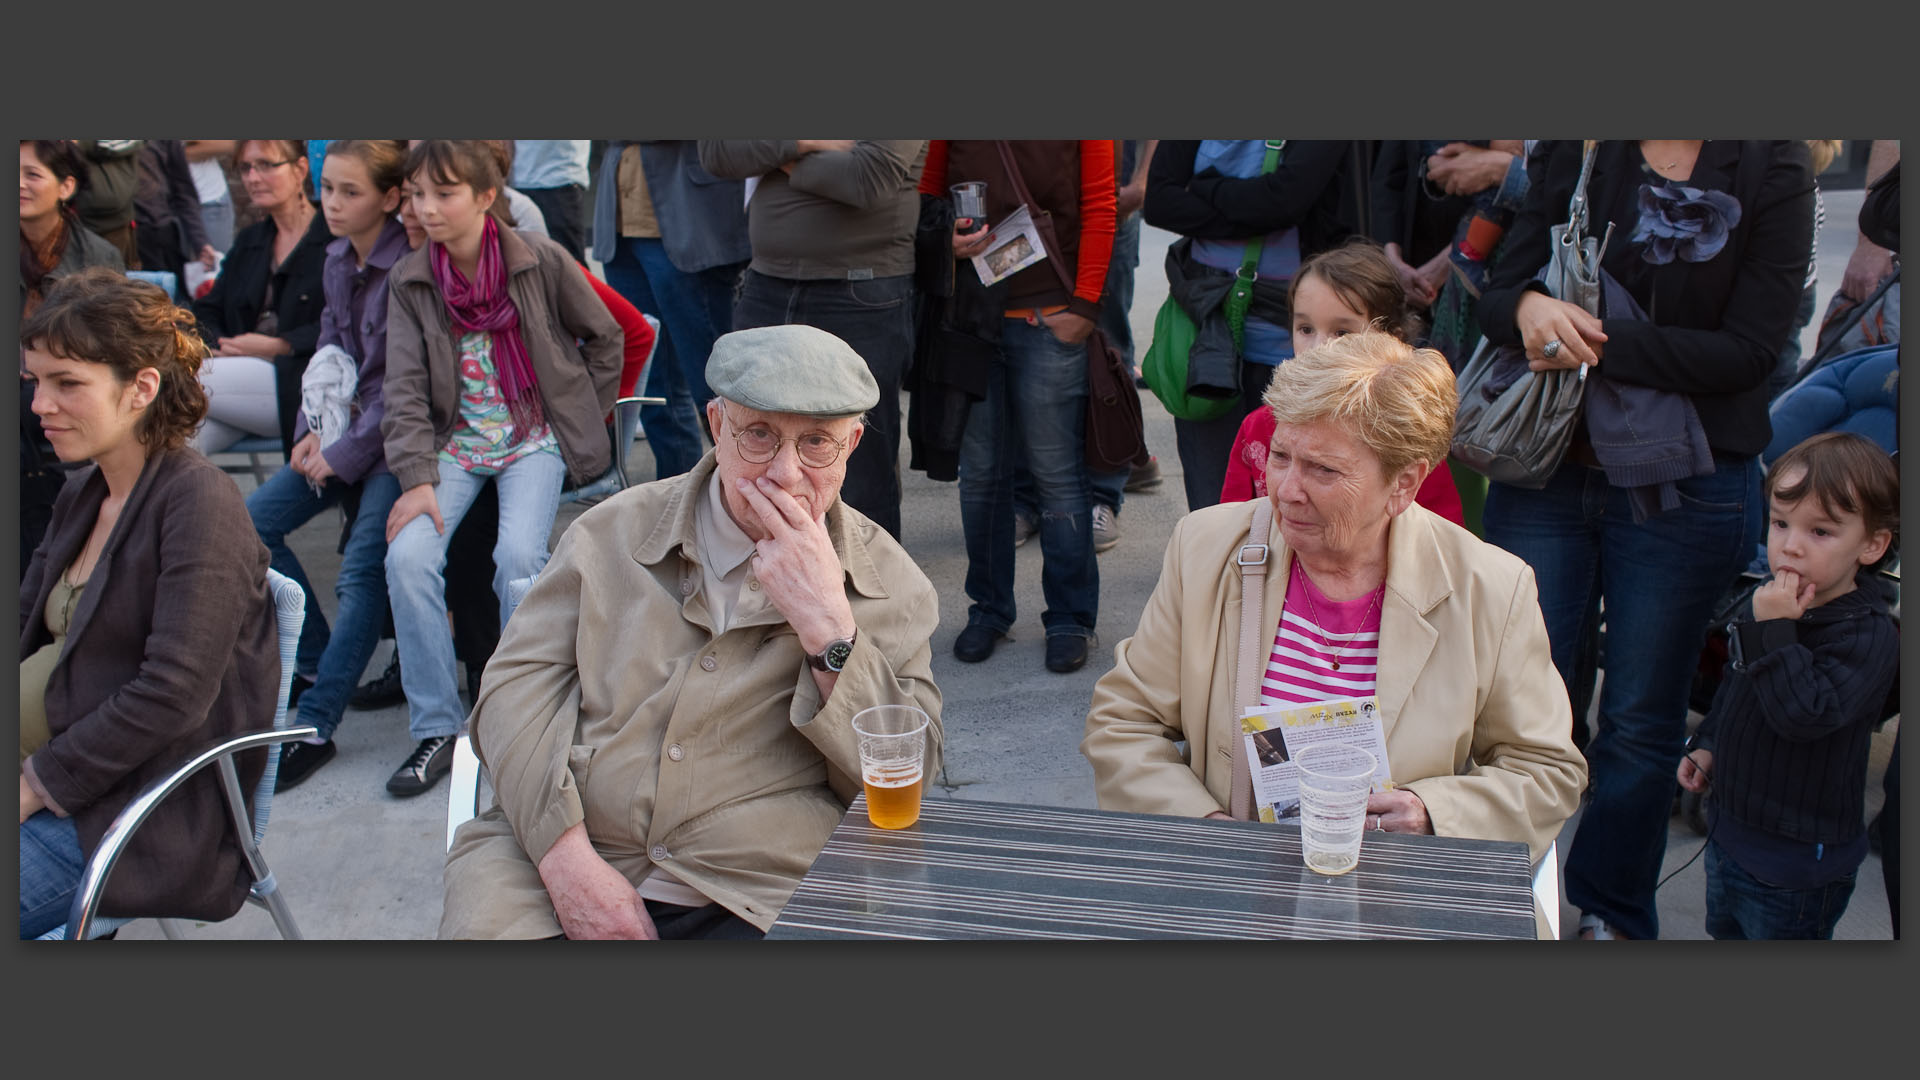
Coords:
798,568
593,900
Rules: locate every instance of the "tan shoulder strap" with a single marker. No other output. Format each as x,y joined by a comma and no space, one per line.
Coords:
1253,558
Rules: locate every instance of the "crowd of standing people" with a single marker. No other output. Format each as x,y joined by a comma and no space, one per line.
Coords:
416,324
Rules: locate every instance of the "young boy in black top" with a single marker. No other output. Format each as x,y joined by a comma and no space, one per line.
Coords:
1786,740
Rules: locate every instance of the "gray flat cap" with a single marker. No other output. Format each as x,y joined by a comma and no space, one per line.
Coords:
791,369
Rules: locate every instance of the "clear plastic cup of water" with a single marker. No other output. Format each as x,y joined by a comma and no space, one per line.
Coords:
1334,783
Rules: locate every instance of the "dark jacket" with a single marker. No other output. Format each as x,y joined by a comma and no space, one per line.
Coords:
1308,191
1791,724
703,219
113,175
173,646
84,248
166,207
571,338
361,451
233,305
1717,327
1051,169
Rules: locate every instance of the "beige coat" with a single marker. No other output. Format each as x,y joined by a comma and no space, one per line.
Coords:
1477,719
610,701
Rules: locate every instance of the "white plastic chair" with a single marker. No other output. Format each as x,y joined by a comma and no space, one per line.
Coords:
626,422
290,612
463,782
1546,887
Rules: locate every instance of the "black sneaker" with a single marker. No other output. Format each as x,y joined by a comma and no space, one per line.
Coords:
383,691
299,760
430,761
1067,652
975,644
300,684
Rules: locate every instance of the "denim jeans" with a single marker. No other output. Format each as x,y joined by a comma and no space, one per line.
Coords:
1035,406
693,309
529,497
1659,582
1741,907
333,659
876,318
50,866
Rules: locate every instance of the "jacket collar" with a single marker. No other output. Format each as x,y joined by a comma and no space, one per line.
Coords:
387,248
417,265
86,508
674,528
1417,581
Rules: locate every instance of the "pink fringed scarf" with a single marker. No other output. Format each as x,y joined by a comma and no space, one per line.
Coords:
484,304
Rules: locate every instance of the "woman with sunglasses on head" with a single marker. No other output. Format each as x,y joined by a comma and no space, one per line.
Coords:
146,631
262,316
501,363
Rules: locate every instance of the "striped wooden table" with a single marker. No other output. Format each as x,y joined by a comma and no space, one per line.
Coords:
997,870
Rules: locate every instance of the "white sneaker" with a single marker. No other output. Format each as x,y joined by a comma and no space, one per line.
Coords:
1106,527
1023,528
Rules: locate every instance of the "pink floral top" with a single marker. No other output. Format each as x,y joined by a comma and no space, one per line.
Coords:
482,441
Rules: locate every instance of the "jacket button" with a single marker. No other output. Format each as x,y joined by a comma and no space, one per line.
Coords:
659,853
708,663
753,584
686,586
675,752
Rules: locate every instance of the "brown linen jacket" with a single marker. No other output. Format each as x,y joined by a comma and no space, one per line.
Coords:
578,380
1476,717
173,646
611,701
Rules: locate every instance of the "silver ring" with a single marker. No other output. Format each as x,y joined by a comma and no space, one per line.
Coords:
1376,823
1551,349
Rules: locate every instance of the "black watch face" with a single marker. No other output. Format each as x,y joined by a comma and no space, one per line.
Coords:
837,653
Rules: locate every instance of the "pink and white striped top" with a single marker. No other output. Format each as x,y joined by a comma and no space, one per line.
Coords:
1300,668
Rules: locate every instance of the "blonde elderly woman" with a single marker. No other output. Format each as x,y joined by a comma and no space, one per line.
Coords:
1365,593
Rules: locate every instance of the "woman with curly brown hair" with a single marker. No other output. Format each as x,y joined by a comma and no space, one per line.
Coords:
146,630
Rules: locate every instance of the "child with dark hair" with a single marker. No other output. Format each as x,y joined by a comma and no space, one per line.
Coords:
1785,742
1343,291
502,364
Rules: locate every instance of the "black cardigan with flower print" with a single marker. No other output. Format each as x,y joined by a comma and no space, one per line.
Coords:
1716,326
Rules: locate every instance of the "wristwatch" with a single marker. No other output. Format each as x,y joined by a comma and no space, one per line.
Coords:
834,656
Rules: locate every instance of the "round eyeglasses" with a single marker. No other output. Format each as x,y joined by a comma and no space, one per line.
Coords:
760,444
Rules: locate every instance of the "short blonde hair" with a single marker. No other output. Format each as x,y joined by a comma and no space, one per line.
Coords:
1398,400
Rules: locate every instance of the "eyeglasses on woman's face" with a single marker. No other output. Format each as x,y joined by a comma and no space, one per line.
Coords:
759,444
248,168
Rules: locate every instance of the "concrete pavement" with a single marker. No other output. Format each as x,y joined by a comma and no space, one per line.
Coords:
355,862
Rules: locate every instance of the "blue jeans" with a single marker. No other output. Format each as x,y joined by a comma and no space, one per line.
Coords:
334,660
50,867
1659,582
1036,405
876,318
416,560
1741,907
693,309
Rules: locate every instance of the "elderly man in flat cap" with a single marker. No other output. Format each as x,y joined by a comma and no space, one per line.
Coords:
667,720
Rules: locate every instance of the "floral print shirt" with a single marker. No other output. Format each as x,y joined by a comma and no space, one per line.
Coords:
482,442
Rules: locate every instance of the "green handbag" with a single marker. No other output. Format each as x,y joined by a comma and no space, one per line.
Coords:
1165,367
1165,364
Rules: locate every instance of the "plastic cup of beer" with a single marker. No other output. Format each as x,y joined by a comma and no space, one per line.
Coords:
893,756
1334,783
969,204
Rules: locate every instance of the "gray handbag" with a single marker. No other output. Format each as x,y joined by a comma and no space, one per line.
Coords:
1514,425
